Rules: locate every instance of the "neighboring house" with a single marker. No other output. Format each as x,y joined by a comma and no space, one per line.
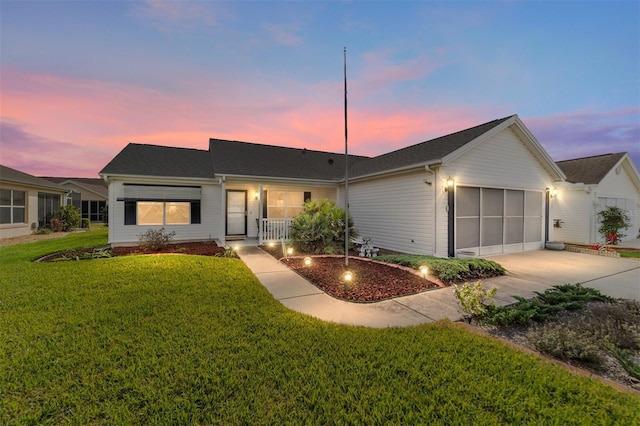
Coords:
26,202
483,190
594,183
90,195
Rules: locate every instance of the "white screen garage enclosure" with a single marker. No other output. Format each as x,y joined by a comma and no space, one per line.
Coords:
493,220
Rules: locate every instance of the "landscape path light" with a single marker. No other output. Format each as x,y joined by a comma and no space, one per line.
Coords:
424,271
307,261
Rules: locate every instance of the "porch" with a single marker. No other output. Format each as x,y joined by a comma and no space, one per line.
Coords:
273,229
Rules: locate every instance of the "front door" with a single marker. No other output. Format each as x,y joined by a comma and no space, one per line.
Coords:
236,212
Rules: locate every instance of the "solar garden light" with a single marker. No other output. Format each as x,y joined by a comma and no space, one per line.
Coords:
347,276
424,271
307,261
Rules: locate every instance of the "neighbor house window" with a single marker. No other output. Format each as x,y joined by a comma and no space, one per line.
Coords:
93,210
12,206
161,212
282,204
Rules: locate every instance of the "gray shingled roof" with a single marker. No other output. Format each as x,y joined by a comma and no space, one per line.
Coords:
8,174
251,159
589,170
96,185
154,160
431,150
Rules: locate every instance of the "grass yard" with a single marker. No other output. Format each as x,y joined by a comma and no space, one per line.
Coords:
177,339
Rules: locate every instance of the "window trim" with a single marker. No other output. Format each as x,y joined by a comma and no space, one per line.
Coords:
13,207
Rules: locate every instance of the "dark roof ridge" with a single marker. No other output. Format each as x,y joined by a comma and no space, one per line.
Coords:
166,146
592,156
286,147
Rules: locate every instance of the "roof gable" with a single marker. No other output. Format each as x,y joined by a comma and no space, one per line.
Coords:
7,174
431,151
95,185
155,160
589,170
252,159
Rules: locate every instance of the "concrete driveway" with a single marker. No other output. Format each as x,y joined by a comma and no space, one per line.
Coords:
613,276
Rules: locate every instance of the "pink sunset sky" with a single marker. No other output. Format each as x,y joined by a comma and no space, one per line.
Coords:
80,80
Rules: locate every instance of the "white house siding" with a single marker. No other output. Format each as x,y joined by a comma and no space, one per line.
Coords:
502,162
618,189
396,212
573,208
209,228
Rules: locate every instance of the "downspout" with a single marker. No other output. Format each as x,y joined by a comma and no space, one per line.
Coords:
223,206
451,250
433,169
547,193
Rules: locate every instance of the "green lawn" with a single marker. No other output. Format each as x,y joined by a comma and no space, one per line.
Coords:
176,339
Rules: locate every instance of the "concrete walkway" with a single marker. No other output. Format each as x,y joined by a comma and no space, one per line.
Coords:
528,272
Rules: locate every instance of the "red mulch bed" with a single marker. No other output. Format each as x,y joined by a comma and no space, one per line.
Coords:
374,281
202,248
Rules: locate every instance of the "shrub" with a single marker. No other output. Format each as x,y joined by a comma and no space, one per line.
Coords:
70,216
320,228
616,324
566,344
472,298
42,231
612,220
448,270
544,305
155,239
86,223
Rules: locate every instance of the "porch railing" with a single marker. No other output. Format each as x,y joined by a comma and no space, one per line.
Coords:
275,229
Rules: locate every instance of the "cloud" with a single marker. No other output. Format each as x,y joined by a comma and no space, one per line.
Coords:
587,132
284,34
42,156
380,70
168,16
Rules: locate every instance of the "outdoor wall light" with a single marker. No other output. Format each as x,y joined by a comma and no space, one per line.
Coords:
554,192
424,271
449,184
256,196
307,261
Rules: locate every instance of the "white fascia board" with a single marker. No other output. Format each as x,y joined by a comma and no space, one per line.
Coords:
628,165
425,166
58,188
156,179
247,178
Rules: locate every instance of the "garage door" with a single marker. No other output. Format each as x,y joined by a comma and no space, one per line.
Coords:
491,220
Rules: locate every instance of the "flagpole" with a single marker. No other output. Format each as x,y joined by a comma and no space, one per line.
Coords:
346,169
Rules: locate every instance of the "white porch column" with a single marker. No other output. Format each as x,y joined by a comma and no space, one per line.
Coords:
223,206
260,210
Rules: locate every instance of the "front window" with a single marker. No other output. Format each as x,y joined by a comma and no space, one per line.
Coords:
12,206
283,204
163,213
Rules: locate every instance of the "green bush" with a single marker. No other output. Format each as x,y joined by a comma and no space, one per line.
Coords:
66,219
544,305
472,298
566,344
86,223
320,228
448,270
155,239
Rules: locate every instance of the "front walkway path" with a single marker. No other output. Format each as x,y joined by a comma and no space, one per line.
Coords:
528,272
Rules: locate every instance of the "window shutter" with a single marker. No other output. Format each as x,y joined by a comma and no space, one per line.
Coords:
264,204
307,196
195,212
129,212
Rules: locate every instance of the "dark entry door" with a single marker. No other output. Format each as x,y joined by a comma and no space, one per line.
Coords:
236,212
